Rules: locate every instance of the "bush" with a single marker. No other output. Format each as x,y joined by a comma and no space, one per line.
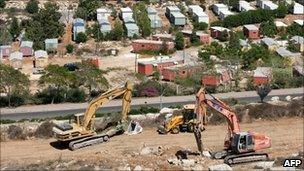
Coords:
75,95
69,48
143,110
32,7
2,3
15,133
16,100
49,95
81,38
44,130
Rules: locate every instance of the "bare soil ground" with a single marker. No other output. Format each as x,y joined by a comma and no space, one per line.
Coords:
286,134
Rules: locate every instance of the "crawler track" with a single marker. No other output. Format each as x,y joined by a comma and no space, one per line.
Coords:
89,141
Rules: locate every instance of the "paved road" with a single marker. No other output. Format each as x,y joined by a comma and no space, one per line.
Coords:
48,111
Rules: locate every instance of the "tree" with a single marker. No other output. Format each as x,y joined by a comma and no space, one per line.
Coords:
15,28
281,11
224,36
141,16
57,77
81,38
200,26
69,48
268,28
80,13
194,39
263,91
32,7
89,8
12,82
118,32
295,29
2,3
44,25
179,41
96,32
91,77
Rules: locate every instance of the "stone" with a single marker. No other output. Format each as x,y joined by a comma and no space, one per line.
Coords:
275,98
288,98
220,167
264,165
145,151
125,168
138,168
174,161
188,162
206,154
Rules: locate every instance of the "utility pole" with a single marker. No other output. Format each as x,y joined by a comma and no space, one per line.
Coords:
161,86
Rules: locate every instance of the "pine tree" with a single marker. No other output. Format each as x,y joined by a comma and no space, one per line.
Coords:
15,28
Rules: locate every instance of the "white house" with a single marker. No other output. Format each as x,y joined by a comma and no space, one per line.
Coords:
198,13
218,7
126,13
244,6
298,8
269,5
225,13
103,13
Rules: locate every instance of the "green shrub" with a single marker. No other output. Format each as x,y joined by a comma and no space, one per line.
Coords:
75,95
81,38
69,48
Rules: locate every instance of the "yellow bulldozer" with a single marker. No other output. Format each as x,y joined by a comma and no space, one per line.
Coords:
184,122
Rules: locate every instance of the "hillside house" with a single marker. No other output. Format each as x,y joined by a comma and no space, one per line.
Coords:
216,31
216,8
181,71
131,29
245,45
198,14
151,45
298,8
26,48
244,6
283,52
221,76
103,13
297,71
15,60
178,19
5,51
270,43
269,5
300,22
262,75
78,27
40,59
105,26
280,24
203,37
170,9
149,67
225,13
299,42
155,20
126,13
51,44
251,31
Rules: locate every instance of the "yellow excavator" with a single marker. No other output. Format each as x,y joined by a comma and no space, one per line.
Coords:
176,123
81,132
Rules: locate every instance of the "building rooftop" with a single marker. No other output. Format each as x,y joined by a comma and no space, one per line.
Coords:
148,41
251,27
78,20
300,22
131,26
280,24
151,10
262,72
52,41
105,27
226,12
178,15
286,53
5,46
218,28
221,5
196,8
173,8
103,10
126,10
40,54
154,17
16,56
244,43
298,39
271,4
179,56
103,21
129,20
26,44
269,41
164,35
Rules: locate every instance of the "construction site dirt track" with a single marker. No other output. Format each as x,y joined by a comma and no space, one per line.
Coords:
286,135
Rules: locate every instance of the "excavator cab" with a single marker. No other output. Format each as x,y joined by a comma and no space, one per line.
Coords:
242,142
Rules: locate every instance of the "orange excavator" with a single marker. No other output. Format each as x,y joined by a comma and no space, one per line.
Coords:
240,147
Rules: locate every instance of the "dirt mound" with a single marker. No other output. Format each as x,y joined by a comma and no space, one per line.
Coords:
44,130
15,133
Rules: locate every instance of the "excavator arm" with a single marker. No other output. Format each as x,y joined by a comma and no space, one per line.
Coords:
98,102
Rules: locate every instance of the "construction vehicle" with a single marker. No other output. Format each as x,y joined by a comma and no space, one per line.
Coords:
176,123
81,132
240,147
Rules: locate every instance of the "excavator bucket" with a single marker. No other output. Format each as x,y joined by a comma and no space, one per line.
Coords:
134,128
